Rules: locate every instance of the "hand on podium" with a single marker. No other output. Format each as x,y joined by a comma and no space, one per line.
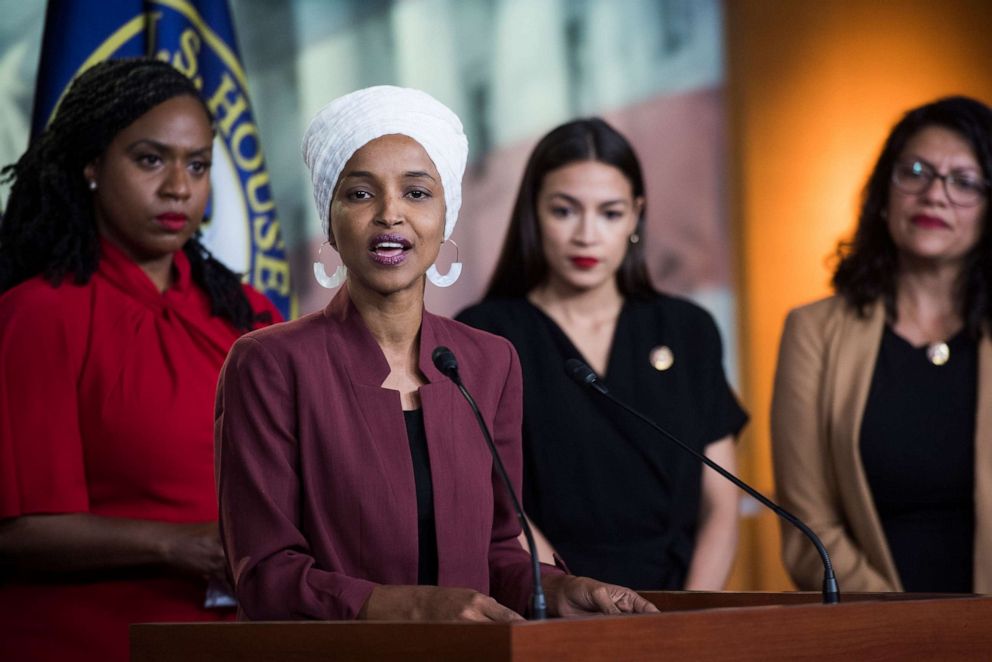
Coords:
569,595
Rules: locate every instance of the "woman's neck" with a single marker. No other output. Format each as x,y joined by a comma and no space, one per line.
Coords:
159,271
569,303
928,307
158,268
394,321
588,318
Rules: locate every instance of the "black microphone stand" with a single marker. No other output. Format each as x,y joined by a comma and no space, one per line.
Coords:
445,362
585,376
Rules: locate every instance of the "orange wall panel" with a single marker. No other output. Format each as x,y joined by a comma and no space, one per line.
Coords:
814,88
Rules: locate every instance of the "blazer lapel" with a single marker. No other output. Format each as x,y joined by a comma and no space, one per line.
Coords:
378,413
856,351
440,399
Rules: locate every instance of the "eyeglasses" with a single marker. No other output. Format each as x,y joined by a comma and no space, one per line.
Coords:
917,176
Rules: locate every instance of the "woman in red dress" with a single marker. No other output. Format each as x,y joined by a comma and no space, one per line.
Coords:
114,322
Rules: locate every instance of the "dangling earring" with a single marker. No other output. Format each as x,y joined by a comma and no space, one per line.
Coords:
634,238
91,184
320,273
449,278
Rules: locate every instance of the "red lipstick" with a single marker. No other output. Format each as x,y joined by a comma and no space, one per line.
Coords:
583,262
929,222
172,221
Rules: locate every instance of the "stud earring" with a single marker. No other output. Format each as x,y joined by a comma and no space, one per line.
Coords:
448,279
634,238
91,184
320,273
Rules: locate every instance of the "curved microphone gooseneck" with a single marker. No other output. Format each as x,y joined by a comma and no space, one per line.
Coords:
445,361
585,376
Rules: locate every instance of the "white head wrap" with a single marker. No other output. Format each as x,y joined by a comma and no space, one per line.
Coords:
348,123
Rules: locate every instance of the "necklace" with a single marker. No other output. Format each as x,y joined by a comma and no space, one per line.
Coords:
938,353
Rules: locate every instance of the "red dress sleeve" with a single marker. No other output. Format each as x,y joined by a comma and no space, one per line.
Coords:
261,304
42,339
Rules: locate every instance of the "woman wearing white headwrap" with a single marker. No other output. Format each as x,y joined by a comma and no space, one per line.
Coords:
353,482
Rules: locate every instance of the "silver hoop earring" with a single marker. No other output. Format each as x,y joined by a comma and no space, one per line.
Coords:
448,279
320,273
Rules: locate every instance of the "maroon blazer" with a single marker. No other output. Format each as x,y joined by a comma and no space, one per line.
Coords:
315,478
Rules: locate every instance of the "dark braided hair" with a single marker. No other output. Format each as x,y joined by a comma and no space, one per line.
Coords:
49,226
867,265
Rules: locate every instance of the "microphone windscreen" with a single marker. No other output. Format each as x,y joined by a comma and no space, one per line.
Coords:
580,372
444,360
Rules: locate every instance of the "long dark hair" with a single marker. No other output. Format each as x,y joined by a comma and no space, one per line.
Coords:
521,266
49,226
868,264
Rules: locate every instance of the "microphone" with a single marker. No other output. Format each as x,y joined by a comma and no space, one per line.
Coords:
584,376
445,362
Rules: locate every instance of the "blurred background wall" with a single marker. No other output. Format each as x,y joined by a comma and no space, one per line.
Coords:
756,121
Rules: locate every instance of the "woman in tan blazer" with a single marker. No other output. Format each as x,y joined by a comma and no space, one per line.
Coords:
882,411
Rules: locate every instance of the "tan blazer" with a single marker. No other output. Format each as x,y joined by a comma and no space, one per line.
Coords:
825,367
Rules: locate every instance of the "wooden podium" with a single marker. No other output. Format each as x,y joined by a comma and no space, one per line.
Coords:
692,626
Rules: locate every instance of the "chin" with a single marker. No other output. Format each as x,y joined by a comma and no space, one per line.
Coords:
386,286
581,285
163,248
934,254
929,246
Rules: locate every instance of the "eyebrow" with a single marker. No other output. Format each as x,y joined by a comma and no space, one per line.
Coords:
162,147
576,201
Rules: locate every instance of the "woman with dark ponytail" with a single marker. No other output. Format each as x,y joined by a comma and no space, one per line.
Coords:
114,322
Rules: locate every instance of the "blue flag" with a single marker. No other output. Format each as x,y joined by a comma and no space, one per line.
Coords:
197,38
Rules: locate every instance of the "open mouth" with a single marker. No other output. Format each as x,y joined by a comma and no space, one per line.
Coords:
389,249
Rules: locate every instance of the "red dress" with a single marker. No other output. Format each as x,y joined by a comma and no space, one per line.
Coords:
106,407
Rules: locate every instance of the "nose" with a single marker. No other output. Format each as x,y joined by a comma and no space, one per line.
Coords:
177,182
585,230
390,210
936,190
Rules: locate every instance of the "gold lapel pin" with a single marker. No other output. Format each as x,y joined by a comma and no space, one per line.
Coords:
661,358
938,353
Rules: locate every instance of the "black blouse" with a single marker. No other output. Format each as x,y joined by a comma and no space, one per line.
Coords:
618,502
427,563
918,451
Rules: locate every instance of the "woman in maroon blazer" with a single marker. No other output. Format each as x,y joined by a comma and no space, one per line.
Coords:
353,479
